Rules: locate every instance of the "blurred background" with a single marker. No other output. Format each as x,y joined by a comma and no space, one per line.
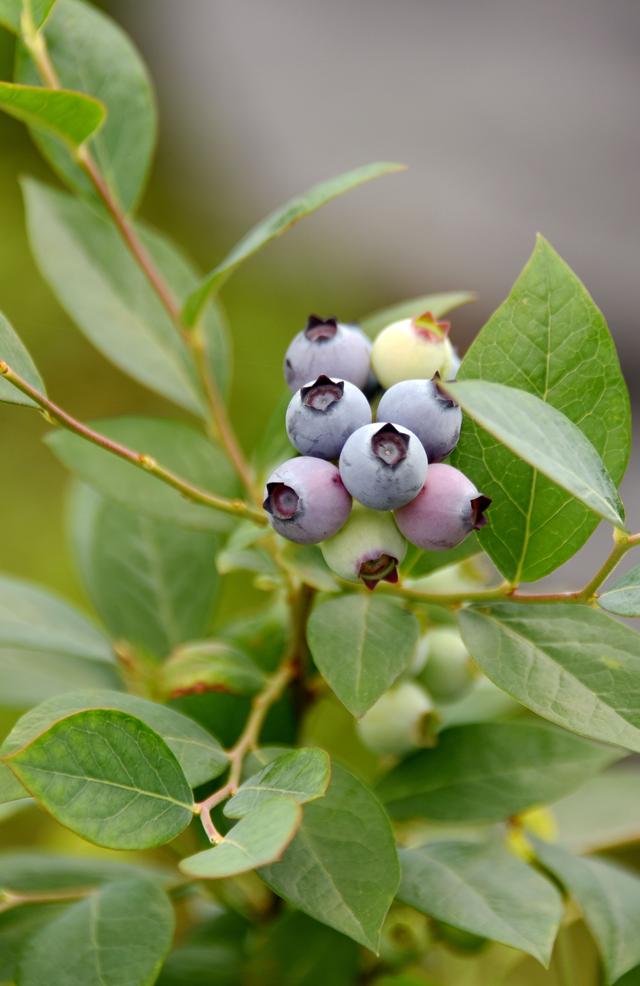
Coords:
513,117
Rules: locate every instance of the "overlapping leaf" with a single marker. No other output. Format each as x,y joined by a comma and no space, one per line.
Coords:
549,339
302,775
623,598
16,356
71,116
570,664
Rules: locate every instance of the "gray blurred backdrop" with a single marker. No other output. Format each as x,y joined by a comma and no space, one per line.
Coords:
513,117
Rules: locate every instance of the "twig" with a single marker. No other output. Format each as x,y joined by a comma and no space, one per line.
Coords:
139,459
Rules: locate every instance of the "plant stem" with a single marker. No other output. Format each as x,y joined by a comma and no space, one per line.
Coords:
248,740
37,46
236,507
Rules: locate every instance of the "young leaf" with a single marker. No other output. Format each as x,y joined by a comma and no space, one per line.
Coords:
90,53
13,352
488,771
91,271
200,755
210,665
11,13
570,664
623,598
302,775
547,338
152,582
259,839
439,304
176,446
544,438
274,225
484,890
342,867
609,898
107,777
120,934
71,116
361,644
47,647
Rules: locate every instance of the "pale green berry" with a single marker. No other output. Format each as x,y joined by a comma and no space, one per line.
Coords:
411,348
401,720
448,671
368,549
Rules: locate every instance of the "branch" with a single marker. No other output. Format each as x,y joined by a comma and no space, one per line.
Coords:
37,46
236,507
300,602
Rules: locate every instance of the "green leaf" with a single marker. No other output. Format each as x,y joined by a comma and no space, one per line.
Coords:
484,890
90,53
11,13
39,872
10,788
203,964
361,644
47,647
544,438
174,445
274,225
439,304
302,775
609,898
570,664
210,665
258,839
200,755
71,116
17,928
602,813
623,598
297,951
152,582
13,352
419,563
118,935
89,268
547,338
488,771
107,777
342,867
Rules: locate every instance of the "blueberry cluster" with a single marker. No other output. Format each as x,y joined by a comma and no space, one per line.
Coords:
391,464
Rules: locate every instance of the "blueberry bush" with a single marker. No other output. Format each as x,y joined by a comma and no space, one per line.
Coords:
403,767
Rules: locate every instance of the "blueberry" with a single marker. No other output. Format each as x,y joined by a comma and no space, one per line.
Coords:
445,510
383,465
331,347
323,414
420,406
306,500
410,348
448,672
368,549
401,720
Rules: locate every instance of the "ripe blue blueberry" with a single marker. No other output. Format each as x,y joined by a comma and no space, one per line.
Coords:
330,347
368,549
447,508
424,409
383,465
306,500
412,347
323,414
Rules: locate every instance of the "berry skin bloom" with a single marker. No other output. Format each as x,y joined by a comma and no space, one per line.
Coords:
368,549
383,466
306,500
448,671
447,508
322,415
330,347
410,348
420,406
